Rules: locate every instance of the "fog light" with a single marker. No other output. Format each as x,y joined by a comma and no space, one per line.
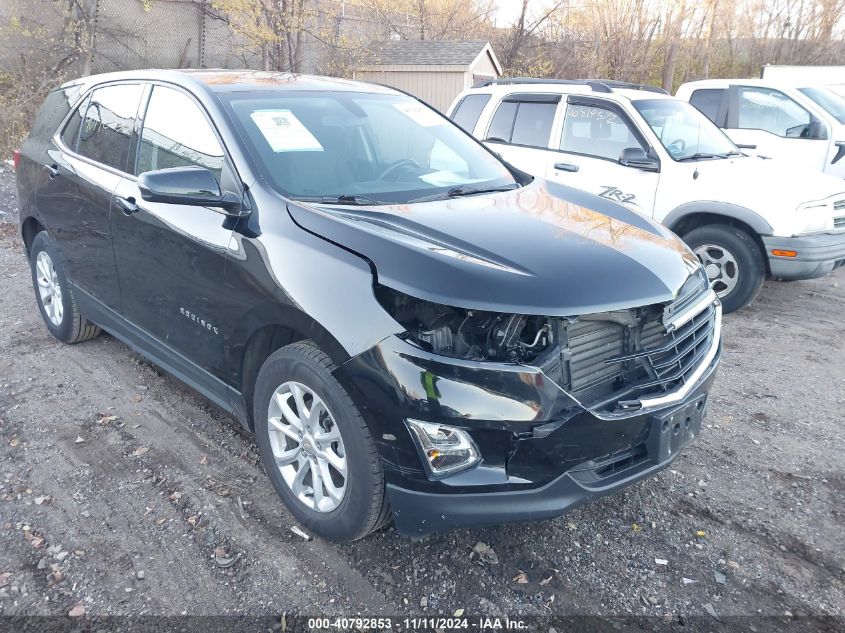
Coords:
445,449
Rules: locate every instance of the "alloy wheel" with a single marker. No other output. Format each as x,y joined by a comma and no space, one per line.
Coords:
307,446
49,289
721,268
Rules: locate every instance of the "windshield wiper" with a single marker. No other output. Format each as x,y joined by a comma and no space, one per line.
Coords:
733,152
346,198
699,156
464,190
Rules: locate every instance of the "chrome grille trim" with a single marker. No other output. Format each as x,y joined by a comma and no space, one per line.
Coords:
630,360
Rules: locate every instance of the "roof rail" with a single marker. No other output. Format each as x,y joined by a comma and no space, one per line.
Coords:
597,85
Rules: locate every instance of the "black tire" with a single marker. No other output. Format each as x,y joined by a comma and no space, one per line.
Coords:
750,264
364,507
72,327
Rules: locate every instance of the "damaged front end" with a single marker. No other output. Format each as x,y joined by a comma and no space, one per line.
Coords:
556,410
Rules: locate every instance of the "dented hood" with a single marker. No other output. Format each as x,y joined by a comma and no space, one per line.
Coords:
542,249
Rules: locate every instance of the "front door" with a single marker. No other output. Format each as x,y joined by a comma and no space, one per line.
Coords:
84,168
593,135
170,257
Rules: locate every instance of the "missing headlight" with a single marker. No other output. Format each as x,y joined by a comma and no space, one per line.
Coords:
470,334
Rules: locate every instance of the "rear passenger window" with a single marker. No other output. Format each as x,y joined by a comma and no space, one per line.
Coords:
596,131
708,102
524,122
468,111
108,124
176,133
533,124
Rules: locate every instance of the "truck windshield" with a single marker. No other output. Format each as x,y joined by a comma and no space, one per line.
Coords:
362,148
684,131
828,100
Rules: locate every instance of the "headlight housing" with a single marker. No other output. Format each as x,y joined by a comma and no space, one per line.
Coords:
446,449
468,334
814,217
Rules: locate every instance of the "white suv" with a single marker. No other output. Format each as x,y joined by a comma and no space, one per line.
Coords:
744,217
801,124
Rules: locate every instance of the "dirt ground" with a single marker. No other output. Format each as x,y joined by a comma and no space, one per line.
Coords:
124,493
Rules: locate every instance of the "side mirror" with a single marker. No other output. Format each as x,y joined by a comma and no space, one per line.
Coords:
637,158
817,131
195,186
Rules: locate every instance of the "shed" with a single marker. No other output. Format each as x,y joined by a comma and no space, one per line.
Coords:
436,71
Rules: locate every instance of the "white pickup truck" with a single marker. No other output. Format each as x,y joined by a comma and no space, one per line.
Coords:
802,124
744,217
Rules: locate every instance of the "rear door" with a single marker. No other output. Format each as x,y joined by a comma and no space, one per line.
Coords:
170,257
592,136
520,130
780,127
85,164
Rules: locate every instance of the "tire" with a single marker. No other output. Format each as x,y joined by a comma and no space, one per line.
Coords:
741,274
363,507
58,309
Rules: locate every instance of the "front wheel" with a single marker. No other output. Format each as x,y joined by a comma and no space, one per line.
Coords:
733,261
316,447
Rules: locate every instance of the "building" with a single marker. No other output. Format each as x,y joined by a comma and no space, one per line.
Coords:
436,71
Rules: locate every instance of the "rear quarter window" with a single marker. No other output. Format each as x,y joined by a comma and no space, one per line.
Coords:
54,109
468,111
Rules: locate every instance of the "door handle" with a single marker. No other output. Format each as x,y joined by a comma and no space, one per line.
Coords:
127,205
52,170
566,167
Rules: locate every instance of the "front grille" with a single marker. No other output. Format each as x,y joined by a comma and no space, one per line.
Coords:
612,358
839,205
839,223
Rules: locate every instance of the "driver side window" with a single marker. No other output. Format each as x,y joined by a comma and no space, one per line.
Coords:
596,131
772,111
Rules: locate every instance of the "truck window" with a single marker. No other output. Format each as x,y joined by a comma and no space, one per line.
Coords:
707,101
772,111
524,122
533,124
595,131
468,110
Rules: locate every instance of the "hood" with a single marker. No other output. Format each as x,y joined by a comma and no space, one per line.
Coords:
762,185
542,249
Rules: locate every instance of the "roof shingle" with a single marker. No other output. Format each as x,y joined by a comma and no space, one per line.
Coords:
423,52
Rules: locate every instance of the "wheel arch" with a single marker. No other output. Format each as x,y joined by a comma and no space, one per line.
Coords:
691,216
30,227
266,335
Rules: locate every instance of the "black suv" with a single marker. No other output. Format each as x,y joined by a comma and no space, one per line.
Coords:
412,328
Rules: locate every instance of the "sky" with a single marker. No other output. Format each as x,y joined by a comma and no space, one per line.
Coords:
507,11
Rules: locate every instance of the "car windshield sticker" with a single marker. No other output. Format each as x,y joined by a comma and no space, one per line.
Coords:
420,114
284,132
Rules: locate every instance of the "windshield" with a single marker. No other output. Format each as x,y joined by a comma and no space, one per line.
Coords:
362,148
828,100
683,130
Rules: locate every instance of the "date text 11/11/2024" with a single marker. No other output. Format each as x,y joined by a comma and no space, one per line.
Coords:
431,623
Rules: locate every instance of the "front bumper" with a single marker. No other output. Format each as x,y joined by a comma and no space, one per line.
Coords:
542,452
816,255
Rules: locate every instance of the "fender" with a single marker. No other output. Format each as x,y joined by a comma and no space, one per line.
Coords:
736,212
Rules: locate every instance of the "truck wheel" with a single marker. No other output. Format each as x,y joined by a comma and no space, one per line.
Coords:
733,261
316,447
54,294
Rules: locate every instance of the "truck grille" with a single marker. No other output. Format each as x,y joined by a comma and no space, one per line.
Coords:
610,359
839,223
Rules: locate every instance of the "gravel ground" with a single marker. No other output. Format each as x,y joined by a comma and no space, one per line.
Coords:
123,493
